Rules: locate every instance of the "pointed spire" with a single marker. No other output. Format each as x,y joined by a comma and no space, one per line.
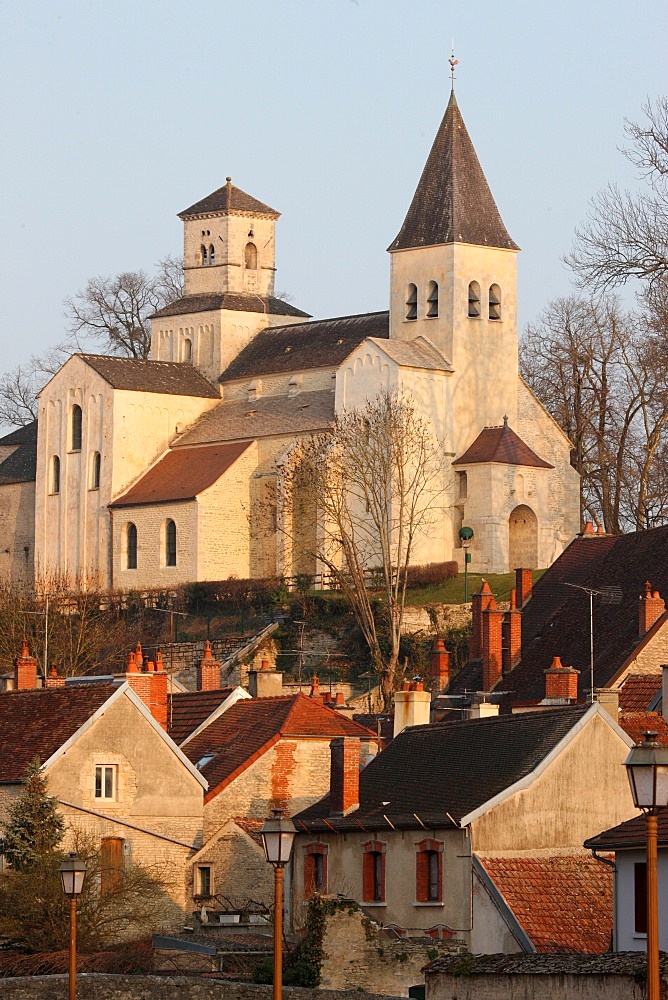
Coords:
453,202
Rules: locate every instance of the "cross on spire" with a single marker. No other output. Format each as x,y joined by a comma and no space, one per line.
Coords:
453,62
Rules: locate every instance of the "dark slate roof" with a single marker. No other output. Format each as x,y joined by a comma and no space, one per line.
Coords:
251,727
447,770
319,344
228,200
170,377
563,903
453,202
622,963
182,474
238,419
190,709
229,300
36,723
501,444
630,834
21,465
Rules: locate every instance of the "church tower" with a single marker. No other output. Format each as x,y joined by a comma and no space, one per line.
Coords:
453,280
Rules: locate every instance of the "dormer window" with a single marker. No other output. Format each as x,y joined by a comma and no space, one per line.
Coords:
432,300
494,302
250,257
411,302
294,385
474,300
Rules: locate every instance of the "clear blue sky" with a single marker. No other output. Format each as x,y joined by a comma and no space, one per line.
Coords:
116,115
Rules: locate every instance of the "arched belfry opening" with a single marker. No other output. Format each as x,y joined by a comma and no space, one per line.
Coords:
523,538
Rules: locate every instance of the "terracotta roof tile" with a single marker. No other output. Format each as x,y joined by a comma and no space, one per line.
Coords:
135,374
453,202
563,903
182,474
232,301
228,200
638,691
36,723
321,343
635,724
190,709
503,445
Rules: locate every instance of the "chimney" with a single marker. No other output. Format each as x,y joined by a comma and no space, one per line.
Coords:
650,607
149,683
412,707
265,682
440,667
344,780
484,710
25,670
53,680
588,528
512,635
523,586
608,699
492,646
315,692
339,700
561,683
208,671
159,695
480,601
664,690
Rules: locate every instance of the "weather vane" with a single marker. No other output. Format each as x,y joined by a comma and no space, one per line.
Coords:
453,62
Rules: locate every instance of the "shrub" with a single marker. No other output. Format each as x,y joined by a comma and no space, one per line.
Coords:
431,574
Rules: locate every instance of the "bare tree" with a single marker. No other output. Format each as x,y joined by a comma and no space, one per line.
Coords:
357,499
626,234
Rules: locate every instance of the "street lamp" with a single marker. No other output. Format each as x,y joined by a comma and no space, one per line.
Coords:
278,834
72,874
466,537
647,769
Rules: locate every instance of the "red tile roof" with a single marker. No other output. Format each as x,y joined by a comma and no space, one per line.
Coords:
182,474
638,691
36,723
501,444
190,709
251,727
635,724
563,903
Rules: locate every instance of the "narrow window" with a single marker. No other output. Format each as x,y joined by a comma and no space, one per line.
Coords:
463,485
111,865
170,543
54,485
76,428
203,880
474,299
411,302
640,894
432,869
378,893
373,872
494,302
187,349
105,782
95,465
250,257
432,300
203,254
315,869
429,872
131,546
212,254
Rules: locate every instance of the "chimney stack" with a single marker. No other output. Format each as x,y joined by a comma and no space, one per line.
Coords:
561,683
25,670
53,680
344,781
265,682
650,607
208,671
440,667
492,646
512,635
412,707
480,601
148,680
484,710
523,586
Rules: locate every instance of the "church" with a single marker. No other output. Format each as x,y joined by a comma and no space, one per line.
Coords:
155,473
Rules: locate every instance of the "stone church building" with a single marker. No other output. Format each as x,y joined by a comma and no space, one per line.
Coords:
153,473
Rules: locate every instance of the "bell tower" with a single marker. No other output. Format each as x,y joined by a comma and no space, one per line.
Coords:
453,280
229,244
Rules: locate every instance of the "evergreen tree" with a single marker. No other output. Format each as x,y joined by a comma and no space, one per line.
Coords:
35,828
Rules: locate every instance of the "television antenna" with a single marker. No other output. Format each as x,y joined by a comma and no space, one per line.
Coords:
609,595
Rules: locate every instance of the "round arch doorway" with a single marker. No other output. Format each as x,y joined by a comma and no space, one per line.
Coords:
523,538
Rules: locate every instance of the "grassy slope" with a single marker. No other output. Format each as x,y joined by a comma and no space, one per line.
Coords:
452,591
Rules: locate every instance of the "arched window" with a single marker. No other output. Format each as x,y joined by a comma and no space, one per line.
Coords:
76,428
250,257
212,254
203,254
54,475
187,349
474,299
170,543
432,300
494,302
95,466
411,302
131,545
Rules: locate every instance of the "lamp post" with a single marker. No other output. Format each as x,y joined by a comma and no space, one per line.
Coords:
466,537
72,874
647,769
278,834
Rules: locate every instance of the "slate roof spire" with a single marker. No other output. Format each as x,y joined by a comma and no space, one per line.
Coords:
453,202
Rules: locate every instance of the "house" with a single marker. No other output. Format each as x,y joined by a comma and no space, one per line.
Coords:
119,778
18,466
138,461
445,824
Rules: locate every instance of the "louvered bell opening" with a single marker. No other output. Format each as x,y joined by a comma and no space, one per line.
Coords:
474,299
411,302
432,300
495,302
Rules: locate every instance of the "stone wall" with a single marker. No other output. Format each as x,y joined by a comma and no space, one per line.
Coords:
17,531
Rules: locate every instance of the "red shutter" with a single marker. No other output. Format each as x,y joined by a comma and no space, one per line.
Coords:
367,877
421,877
